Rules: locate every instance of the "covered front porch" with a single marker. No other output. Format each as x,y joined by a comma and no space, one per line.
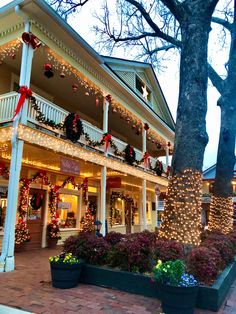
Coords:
122,197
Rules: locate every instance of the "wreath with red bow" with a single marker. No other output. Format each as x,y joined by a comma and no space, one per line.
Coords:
130,154
36,201
73,127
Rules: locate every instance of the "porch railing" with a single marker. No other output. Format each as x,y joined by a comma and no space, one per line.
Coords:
7,106
55,113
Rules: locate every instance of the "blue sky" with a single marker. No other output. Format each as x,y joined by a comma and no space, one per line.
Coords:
168,81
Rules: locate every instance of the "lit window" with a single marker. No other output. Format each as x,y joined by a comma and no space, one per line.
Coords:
143,89
67,210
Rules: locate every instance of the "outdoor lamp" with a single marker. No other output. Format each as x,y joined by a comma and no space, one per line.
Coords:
98,226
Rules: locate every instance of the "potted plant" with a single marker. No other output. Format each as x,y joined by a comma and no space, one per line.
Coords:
53,234
178,289
65,270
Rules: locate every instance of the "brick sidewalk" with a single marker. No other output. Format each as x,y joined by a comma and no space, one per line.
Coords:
29,288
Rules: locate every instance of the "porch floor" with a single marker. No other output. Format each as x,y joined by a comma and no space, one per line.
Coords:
29,288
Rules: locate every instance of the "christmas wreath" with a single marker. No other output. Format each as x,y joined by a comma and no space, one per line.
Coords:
73,126
129,154
36,201
158,168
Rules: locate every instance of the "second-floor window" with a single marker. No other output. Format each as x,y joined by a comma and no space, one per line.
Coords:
143,89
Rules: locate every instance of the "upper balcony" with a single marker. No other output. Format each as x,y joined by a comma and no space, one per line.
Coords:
56,114
68,77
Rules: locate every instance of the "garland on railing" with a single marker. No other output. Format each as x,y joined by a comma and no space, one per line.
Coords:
74,129
40,117
127,199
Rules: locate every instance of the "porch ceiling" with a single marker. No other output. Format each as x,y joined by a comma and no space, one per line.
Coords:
36,157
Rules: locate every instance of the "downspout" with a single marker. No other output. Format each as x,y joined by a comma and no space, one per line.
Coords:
15,129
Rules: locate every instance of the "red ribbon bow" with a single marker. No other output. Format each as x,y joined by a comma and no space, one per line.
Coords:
146,157
108,98
107,139
25,93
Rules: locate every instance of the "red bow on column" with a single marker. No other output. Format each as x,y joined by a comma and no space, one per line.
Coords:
29,38
107,139
146,157
109,98
25,93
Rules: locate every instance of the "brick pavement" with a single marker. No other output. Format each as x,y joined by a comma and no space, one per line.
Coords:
29,288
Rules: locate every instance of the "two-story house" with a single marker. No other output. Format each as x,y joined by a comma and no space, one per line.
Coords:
86,144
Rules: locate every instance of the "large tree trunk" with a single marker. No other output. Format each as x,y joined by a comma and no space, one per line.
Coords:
221,207
182,214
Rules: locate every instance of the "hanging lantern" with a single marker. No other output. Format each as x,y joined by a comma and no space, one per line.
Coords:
75,87
149,138
153,141
133,126
168,144
114,110
87,93
128,119
159,146
62,74
97,101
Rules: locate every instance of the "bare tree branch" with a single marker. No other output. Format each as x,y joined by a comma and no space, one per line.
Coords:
216,80
222,22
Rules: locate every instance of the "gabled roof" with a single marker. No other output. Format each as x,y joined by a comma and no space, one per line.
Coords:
42,11
117,64
210,173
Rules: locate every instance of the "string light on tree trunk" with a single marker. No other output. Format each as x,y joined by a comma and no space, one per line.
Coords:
182,211
221,214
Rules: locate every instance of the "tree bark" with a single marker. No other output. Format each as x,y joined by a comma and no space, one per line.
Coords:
184,205
221,207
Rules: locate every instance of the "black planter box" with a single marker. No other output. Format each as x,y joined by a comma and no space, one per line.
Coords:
209,297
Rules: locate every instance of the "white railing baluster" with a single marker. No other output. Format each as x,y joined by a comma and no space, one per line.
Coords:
55,113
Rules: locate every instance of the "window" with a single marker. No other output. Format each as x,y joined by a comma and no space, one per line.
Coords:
67,210
118,214
143,89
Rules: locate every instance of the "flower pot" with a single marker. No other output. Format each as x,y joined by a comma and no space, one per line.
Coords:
64,275
52,243
179,300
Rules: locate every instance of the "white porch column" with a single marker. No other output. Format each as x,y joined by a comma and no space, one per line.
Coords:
80,207
156,206
144,202
167,155
102,215
105,115
144,141
7,261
